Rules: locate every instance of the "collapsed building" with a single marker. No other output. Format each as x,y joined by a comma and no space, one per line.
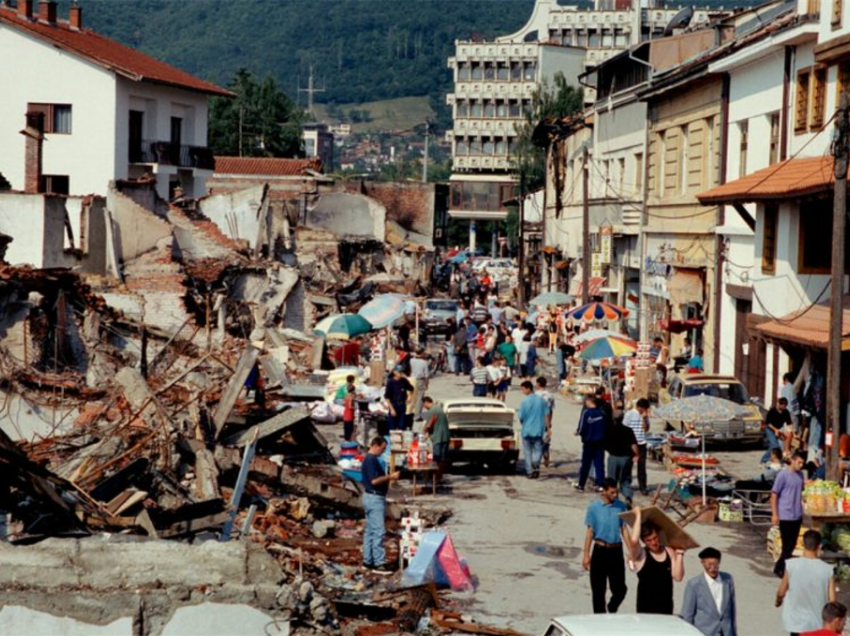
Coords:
128,331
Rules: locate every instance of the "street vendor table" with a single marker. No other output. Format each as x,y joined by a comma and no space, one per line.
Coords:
425,470
819,519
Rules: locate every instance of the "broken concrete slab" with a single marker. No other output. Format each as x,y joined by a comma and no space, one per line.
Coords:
15,619
234,388
270,427
214,619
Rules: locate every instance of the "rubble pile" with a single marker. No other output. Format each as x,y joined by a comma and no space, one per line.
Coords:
133,422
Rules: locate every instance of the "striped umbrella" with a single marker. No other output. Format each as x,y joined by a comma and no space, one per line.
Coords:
607,348
383,311
597,311
342,326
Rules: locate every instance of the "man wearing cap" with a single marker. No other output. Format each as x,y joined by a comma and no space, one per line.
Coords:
709,603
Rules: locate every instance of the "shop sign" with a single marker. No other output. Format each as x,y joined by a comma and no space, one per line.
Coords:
606,244
596,264
657,268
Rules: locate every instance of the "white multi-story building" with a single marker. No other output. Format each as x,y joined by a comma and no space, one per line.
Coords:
495,81
93,110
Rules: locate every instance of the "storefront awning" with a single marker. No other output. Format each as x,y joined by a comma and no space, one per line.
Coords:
807,327
686,286
680,326
789,179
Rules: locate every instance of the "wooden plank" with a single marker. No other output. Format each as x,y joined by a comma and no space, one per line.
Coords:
670,533
191,526
234,388
270,427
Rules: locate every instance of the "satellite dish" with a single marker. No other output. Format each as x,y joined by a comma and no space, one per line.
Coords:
679,21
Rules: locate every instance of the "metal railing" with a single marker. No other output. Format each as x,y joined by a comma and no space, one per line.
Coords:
169,154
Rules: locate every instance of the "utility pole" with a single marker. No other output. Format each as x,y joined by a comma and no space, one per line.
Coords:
425,162
836,311
521,268
310,90
585,230
240,130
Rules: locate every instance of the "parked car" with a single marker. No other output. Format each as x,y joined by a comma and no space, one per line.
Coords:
482,432
435,315
746,429
620,625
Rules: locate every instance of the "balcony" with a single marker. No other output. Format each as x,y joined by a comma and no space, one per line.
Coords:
169,154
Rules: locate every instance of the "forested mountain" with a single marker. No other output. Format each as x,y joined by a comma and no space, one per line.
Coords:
361,50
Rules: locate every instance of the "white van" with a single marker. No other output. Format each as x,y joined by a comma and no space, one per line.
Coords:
621,625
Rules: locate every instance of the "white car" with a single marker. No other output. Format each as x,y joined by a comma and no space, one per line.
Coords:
482,432
497,267
621,625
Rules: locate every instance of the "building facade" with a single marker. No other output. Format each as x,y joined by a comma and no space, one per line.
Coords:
107,112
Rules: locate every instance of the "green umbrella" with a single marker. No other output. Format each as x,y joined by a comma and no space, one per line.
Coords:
550,298
342,326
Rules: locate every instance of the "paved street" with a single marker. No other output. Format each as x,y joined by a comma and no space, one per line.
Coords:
523,538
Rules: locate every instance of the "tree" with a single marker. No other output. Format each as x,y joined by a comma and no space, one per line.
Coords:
528,161
260,121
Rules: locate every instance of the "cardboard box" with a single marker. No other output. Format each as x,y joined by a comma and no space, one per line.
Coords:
670,533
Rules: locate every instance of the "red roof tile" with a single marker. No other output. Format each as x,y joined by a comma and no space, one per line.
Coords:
108,53
808,327
267,166
790,179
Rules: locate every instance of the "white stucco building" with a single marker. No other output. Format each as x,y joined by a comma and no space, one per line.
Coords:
94,110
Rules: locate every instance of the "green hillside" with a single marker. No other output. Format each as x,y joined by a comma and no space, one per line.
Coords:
400,114
361,50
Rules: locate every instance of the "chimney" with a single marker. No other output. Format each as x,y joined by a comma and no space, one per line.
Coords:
75,17
47,11
33,152
25,9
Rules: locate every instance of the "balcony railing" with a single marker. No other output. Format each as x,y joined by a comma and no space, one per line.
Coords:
169,154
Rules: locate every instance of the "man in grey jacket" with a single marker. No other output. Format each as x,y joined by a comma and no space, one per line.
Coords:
709,603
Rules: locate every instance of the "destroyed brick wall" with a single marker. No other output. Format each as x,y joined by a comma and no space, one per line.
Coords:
411,205
239,214
136,228
349,215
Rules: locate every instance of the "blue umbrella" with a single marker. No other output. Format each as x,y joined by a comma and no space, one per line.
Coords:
383,311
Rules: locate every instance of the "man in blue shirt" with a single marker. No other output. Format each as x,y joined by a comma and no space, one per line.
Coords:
592,428
376,483
603,548
533,414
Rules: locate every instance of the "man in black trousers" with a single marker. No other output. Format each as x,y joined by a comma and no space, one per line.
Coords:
603,548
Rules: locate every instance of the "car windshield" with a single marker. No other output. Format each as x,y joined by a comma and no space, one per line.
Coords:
727,390
441,305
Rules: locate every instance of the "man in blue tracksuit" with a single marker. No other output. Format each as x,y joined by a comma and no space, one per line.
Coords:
592,428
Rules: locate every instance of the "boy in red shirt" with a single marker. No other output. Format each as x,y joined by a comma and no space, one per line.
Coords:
834,616
348,414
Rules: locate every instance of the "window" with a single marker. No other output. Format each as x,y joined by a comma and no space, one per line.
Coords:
661,160
768,241
503,72
463,72
488,146
744,133
638,172
801,107
57,117
489,109
709,152
815,233
177,132
843,81
837,8
530,73
135,134
54,184
489,72
477,73
462,109
476,109
514,109
774,138
501,146
621,168
516,71
818,105
501,109
475,146
683,159
461,148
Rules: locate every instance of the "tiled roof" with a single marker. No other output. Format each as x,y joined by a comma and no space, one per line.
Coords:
790,179
107,53
266,166
807,327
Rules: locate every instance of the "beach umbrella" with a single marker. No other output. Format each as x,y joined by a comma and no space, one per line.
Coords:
595,334
550,298
700,409
597,311
342,326
609,347
384,310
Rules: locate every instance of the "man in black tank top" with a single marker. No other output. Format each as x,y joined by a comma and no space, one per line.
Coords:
656,566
